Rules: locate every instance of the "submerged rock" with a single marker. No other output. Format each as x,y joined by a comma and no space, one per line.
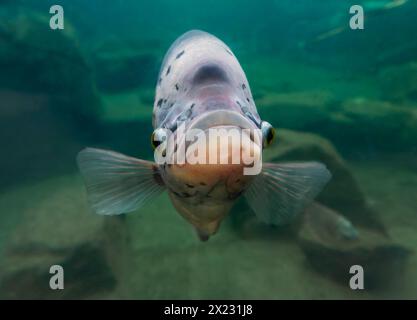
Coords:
332,246
373,124
37,60
353,124
49,102
296,110
60,230
340,229
343,192
119,67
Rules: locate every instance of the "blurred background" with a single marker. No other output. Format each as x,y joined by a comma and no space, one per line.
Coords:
345,97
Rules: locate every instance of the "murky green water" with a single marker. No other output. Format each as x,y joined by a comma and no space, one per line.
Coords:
347,98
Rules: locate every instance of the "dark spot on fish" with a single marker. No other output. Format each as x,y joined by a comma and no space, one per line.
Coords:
189,185
192,106
182,194
168,70
160,81
185,115
213,187
165,100
237,180
173,126
180,54
228,51
250,116
247,113
247,99
176,86
202,184
159,102
243,86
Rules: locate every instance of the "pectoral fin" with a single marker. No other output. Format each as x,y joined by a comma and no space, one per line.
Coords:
281,191
117,183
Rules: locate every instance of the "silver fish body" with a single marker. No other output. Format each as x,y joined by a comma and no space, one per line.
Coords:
201,85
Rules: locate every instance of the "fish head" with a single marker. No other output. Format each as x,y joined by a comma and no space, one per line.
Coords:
209,162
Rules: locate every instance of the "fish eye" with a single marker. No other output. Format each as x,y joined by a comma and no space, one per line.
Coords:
157,137
268,134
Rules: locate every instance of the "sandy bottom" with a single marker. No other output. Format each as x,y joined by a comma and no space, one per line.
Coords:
167,261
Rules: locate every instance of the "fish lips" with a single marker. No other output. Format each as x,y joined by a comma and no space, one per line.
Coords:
224,119
250,136
220,118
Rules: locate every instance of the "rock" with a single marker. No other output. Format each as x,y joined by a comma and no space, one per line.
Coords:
399,83
332,253
371,124
48,95
295,110
60,230
353,124
332,239
128,106
37,62
342,192
121,68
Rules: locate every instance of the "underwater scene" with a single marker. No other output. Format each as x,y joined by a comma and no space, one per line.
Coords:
330,85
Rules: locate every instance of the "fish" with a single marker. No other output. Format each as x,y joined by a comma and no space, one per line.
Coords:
202,86
372,8
381,5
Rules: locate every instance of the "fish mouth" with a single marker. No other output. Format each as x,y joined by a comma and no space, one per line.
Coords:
217,144
227,121
220,118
